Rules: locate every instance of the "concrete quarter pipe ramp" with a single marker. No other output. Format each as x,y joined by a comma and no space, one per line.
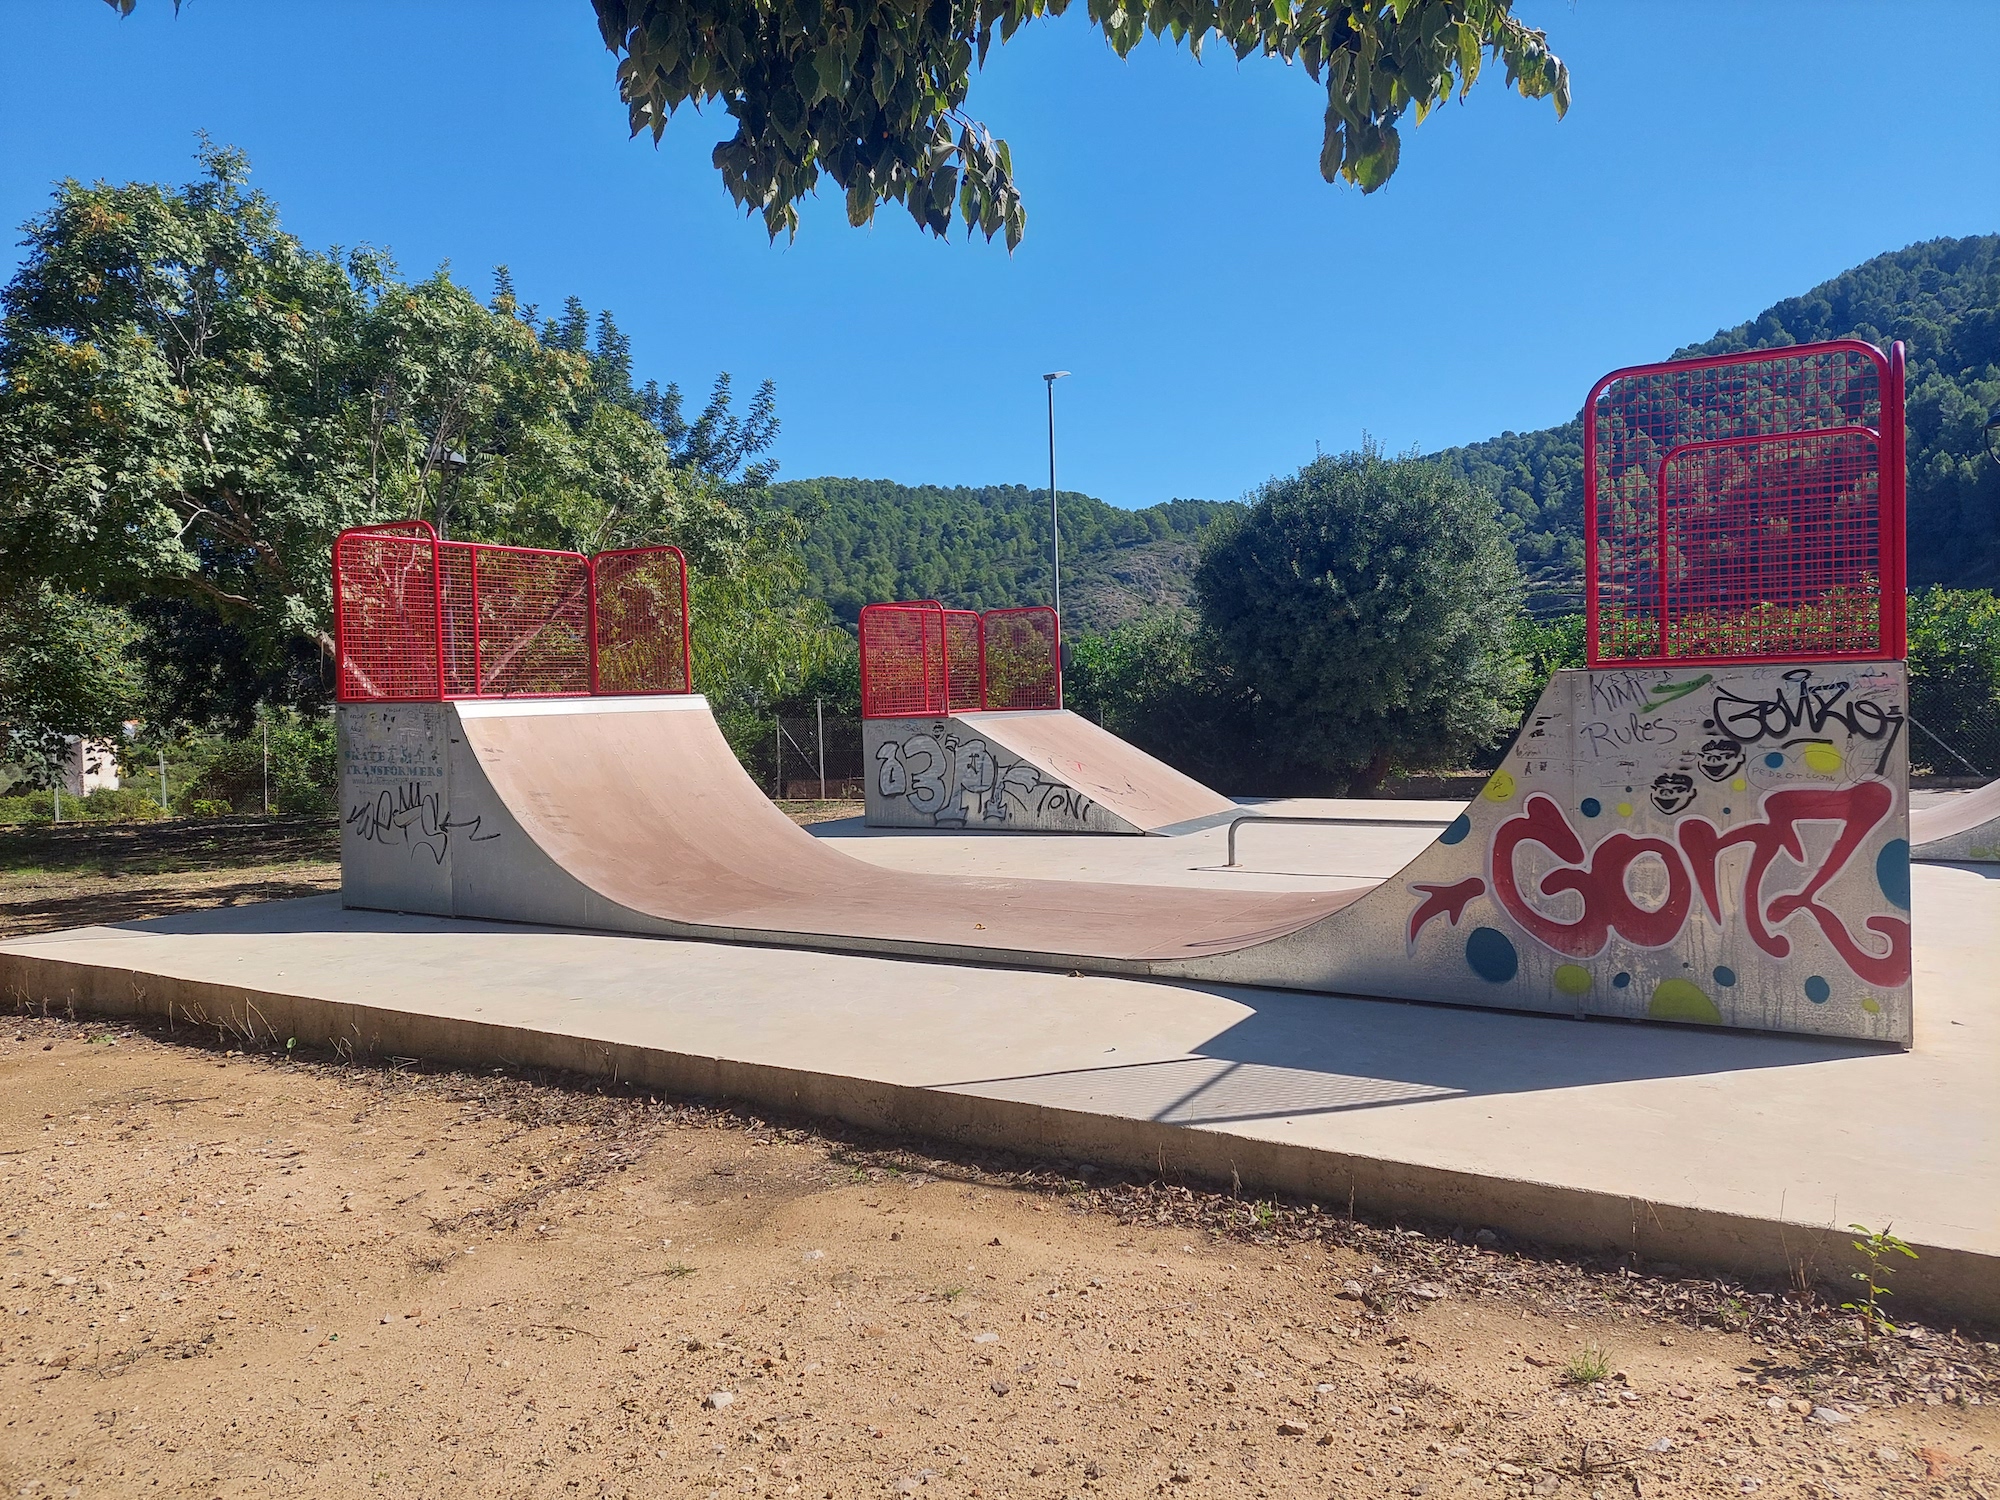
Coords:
1961,830
1647,851
1039,770
963,728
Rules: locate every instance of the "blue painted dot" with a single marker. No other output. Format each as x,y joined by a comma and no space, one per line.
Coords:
1725,812
1456,830
1725,976
1892,872
1591,807
1619,981
1818,990
1491,954
1774,760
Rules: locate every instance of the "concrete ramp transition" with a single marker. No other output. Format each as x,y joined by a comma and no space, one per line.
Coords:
1961,830
1726,846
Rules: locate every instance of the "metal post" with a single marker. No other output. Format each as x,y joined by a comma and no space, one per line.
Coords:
778,793
819,711
163,779
266,726
1055,521
58,791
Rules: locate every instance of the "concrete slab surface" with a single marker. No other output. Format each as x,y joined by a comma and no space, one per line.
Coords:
1729,1150
1363,842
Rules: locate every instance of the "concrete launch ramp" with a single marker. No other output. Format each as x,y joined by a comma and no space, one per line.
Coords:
1659,844
1960,830
1043,770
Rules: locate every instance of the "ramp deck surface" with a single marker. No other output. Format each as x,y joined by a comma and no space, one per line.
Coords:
1705,1147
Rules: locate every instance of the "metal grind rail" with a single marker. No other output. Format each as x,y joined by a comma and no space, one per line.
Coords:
1236,823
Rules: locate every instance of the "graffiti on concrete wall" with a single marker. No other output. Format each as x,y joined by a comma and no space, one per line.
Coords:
936,774
1706,844
394,784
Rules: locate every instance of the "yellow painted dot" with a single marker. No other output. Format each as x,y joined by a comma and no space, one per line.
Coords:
1682,1000
1624,809
1822,758
1500,786
1573,979
1870,1004
1739,785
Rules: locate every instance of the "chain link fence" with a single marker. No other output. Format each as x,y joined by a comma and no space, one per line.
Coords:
1953,735
807,759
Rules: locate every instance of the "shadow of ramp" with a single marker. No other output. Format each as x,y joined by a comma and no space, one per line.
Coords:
1295,1056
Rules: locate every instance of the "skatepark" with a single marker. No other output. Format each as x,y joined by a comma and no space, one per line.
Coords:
1670,983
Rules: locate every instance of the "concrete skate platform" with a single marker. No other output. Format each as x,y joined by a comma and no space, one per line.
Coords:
1738,1152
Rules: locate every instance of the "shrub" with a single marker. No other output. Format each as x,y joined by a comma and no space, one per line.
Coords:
305,770
122,804
1368,602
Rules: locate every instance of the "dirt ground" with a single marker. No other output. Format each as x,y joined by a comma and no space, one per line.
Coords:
231,1275
82,874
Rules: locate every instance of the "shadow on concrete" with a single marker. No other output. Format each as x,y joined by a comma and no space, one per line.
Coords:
1298,1055
1287,1056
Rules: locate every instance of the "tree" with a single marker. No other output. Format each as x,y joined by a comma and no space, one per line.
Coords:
873,96
192,404
1955,680
63,672
1369,602
1160,683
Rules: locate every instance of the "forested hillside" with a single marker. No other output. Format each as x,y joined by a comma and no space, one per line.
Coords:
873,539
987,548
1941,298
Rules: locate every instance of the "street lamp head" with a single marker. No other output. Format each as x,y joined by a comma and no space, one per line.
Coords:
1993,433
1054,375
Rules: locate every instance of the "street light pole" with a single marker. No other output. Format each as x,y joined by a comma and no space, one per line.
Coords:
1055,522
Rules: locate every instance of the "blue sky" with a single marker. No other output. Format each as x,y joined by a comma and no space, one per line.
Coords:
1222,308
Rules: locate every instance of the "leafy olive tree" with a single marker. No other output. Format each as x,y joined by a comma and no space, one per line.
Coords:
1369,602
873,95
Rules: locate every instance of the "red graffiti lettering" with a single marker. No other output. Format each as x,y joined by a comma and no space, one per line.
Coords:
1447,901
1857,809
1602,885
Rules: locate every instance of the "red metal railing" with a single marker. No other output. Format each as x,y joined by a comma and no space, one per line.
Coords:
1023,658
964,660
643,640
1746,507
919,659
905,666
419,619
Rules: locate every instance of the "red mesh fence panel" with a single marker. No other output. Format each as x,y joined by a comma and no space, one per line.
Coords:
1746,507
903,665
1023,658
458,589
385,615
534,622
965,654
642,621
1772,547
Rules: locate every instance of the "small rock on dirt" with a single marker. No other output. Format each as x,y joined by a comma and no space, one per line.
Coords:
716,1400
